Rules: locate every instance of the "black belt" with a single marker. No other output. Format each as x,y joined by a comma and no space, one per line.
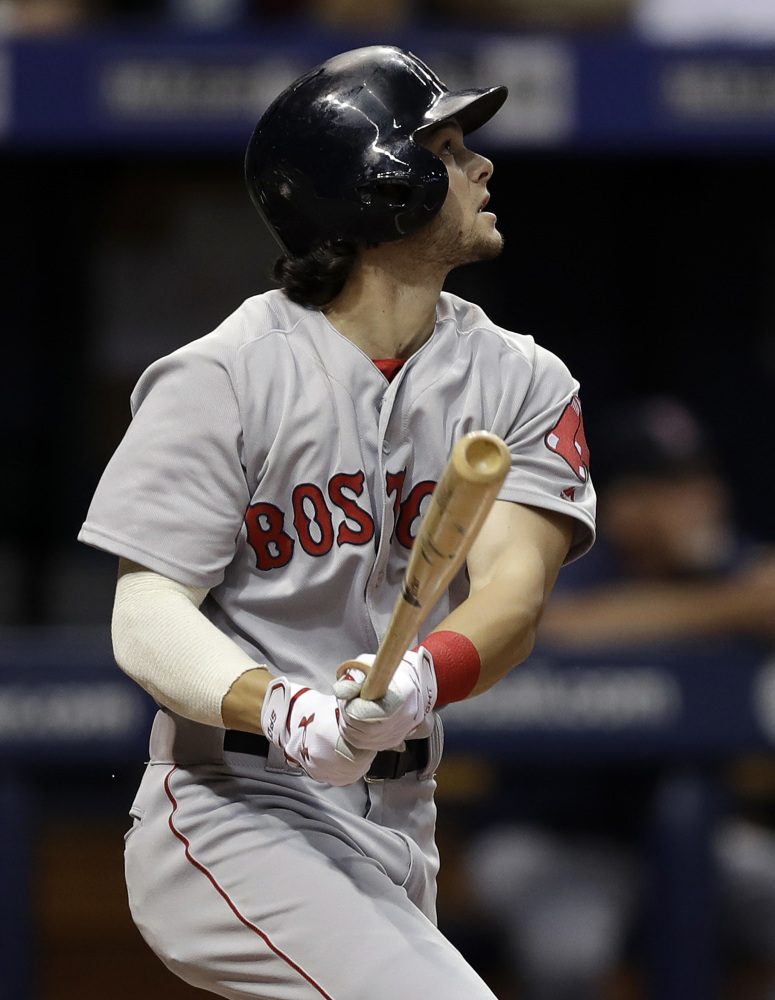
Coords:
387,763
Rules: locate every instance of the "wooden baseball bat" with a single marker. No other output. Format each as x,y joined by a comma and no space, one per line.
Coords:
459,505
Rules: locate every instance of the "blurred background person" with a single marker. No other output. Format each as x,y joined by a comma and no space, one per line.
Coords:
565,876
671,565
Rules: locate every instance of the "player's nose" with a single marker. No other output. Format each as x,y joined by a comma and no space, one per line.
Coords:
481,168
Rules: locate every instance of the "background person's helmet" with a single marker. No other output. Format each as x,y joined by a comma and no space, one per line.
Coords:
334,158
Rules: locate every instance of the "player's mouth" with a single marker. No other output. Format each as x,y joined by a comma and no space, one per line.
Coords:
483,206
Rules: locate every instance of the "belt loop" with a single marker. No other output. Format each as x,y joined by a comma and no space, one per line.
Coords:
278,763
435,749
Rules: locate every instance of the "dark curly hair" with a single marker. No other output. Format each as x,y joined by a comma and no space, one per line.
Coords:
317,277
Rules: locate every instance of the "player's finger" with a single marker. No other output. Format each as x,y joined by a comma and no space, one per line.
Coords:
374,711
353,754
350,684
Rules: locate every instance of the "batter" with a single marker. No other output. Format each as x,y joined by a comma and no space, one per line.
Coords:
263,504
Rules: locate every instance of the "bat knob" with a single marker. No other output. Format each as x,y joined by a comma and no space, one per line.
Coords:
483,456
351,665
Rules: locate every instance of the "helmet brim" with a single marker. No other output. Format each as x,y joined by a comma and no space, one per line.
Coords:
470,108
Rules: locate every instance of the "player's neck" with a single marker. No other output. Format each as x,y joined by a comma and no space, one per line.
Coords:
387,308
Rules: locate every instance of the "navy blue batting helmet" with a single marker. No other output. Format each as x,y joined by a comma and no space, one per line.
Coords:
336,158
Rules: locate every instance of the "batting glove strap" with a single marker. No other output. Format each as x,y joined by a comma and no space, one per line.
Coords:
304,724
386,722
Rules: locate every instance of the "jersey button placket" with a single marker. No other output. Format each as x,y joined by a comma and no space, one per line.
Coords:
378,574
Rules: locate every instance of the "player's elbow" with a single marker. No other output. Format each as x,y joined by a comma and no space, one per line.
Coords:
523,635
147,609
127,621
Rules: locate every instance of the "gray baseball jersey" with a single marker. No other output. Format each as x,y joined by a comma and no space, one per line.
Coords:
273,463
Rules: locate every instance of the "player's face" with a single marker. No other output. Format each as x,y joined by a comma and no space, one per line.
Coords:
463,231
668,526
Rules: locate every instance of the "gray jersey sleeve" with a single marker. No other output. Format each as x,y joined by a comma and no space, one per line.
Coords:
174,495
550,458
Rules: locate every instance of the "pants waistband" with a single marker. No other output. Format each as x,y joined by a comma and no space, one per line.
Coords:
177,740
387,764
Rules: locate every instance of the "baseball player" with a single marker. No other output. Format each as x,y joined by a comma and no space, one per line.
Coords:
263,504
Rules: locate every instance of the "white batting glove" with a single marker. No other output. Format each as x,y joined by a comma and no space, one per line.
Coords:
303,723
385,723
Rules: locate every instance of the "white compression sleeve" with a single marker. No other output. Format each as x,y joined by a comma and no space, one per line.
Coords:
163,641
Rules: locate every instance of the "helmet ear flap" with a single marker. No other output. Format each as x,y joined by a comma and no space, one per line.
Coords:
397,193
401,202
404,203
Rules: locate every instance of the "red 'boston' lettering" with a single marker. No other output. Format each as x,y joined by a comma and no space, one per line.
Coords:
318,543
313,519
346,534
272,545
410,511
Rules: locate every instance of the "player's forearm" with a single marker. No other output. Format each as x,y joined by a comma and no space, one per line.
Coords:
163,641
501,621
513,567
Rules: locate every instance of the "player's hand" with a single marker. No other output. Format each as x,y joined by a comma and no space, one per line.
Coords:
385,723
304,724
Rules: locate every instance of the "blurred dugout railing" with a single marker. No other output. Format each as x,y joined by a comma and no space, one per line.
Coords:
65,706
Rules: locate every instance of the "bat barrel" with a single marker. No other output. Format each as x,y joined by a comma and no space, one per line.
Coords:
460,503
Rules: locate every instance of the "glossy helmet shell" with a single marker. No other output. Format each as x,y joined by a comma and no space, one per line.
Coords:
336,158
